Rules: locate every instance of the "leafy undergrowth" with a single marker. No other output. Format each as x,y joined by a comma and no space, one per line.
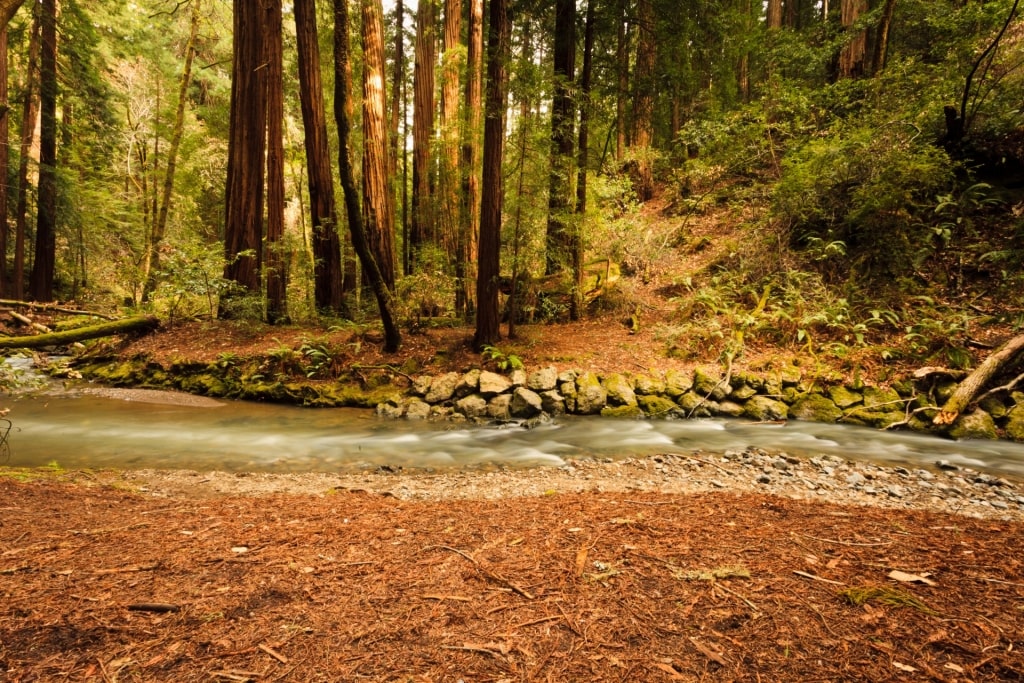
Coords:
103,584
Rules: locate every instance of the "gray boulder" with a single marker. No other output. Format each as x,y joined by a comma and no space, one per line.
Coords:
492,384
976,425
552,402
544,379
620,391
590,395
415,409
765,409
498,407
468,384
472,406
443,387
525,403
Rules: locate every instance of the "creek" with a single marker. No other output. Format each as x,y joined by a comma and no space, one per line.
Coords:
82,426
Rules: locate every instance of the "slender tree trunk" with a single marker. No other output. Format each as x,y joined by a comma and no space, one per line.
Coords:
378,200
327,269
773,14
30,107
499,33
851,57
882,38
643,103
423,226
469,226
160,223
558,252
584,143
397,77
622,73
243,224
342,110
277,255
4,160
449,177
46,220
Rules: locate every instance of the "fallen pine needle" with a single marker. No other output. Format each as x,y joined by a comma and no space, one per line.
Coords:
851,543
442,598
708,652
273,653
817,578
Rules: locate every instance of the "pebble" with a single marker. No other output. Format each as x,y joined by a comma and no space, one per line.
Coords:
763,479
855,479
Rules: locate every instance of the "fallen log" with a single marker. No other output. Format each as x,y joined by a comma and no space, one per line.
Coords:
977,380
52,307
137,324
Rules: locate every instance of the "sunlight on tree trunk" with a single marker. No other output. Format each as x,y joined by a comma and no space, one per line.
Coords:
342,114
4,160
277,257
851,57
498,49
30,110
643,103
449,179
424,230
378,200
469,226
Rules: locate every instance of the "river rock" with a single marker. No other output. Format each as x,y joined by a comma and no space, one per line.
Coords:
415,409
492,384
766,409
976,425
468,384
879,419
622,412
994,407
472,406
544,379
421,385
843,397
707,382
790,376
498,407
1015,423
620,391
677,383
645,385
391,410
525,403
882,397
742,392
552,402
518,377
693,405
568,392
944,390
590,395
729,409
815,408
656,406
443,387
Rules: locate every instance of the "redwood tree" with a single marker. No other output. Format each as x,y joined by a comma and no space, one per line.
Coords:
243,223
489,256
342,107
560,194
41,286
423,229
378,200
469,225
328,278
277,258
449,179
643,101
4,159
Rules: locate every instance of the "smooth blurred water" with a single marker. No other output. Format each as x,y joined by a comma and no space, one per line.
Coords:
87,428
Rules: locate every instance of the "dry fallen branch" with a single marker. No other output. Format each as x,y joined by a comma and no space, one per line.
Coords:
976,381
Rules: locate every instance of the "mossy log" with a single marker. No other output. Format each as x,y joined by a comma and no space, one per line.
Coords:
136,324
977,380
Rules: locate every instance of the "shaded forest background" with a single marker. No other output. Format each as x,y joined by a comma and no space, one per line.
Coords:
336,163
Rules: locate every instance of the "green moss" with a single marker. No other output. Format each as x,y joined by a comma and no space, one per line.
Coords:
622,412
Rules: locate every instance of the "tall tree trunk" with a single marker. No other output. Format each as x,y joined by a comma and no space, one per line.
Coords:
499,34
328,278
378,200
449,177
584,142
8,8
469,226
342,113
397,77
277,255
243,223
4,160
622,74
558,251
773,14
881,50
851,57
160,223
30,110
423,227
643,103
46,220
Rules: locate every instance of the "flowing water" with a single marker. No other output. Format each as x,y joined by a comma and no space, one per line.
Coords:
95,427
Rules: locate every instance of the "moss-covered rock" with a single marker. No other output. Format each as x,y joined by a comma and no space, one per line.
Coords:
765,409
656,406
646,385
708,382
620,390
994,407
677,383
882,398
879,419
693,405
815,408
591,397
843,397
976,425
622,412
204,384
729,409
1015,423
742,392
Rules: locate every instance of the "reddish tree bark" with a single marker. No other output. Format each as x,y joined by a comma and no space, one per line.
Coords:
41,285
277,258
469,227
423,227
559,242
643,103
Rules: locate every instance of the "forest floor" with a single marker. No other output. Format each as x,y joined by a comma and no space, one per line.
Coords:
497,576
